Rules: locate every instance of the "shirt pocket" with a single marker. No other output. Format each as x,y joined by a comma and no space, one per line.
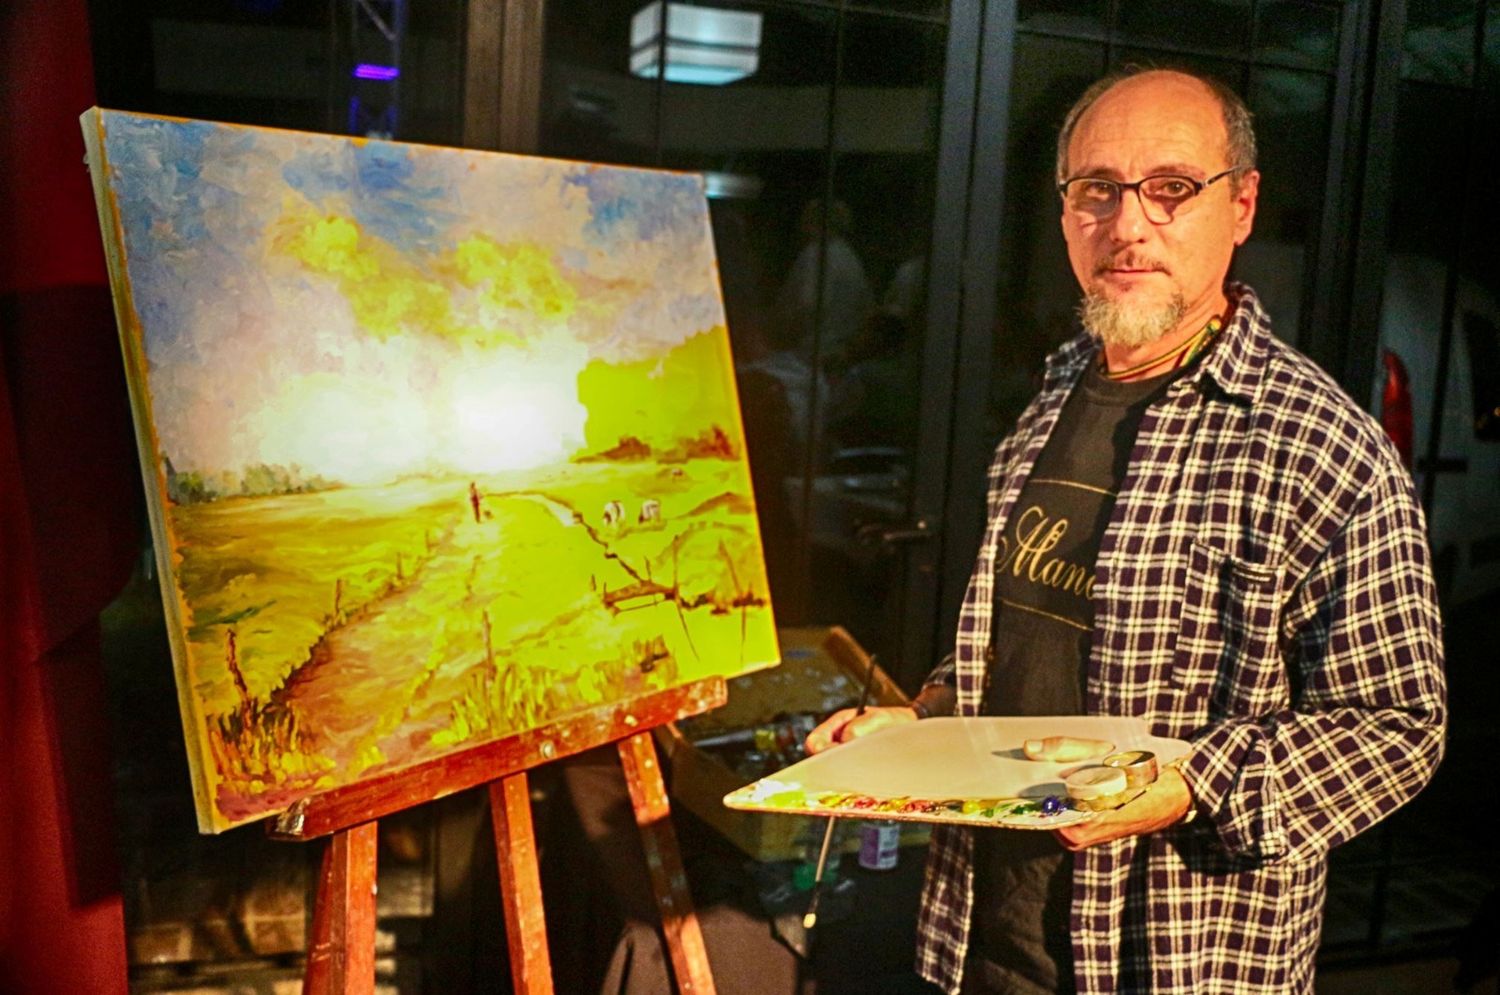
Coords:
1228,647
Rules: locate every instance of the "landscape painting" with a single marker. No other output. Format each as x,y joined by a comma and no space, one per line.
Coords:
440,445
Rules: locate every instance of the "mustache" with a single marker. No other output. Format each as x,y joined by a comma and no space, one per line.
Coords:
1129,260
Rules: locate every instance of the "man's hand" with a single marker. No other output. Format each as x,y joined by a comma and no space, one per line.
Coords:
1165,801
848,723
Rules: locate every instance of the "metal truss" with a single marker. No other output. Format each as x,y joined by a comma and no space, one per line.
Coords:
377,31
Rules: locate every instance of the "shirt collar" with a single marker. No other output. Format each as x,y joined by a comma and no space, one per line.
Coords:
1234,365
1237,362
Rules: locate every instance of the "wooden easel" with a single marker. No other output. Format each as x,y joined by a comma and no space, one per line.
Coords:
341,951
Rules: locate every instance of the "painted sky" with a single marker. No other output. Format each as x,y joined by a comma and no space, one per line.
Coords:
368,309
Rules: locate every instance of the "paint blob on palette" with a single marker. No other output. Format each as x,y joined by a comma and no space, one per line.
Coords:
441,446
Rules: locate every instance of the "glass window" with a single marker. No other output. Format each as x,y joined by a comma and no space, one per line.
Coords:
1483,338
1432,124
1292,114
1481,261
1439,43
1425,245
1074,18
1229,72
884,171
266,66
924,8
592,107
1037,293
287,65
1220,27
432,74
1297,33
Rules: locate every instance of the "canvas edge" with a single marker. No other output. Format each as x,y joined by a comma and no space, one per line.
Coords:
732,389
112,234
696,175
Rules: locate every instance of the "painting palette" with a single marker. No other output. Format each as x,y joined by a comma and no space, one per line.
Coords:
968,771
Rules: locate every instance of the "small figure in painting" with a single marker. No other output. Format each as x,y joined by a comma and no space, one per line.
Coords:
474,500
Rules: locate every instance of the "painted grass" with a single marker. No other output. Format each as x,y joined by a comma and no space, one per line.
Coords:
376,627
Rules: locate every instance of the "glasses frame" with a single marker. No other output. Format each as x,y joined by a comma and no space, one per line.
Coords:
1121,188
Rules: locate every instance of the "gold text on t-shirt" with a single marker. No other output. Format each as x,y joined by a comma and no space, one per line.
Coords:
1036,535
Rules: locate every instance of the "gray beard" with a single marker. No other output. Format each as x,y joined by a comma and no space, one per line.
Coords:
1129,327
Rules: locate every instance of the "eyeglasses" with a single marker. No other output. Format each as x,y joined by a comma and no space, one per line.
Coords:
1161,196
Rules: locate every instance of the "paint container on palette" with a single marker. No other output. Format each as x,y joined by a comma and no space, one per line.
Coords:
879,845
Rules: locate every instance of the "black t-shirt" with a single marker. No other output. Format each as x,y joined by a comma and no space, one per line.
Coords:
1040,641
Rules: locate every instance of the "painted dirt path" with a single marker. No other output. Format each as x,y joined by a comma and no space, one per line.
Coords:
377,687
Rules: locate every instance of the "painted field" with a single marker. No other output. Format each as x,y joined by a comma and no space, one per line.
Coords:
358,629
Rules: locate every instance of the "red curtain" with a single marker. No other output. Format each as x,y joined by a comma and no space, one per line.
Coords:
69,508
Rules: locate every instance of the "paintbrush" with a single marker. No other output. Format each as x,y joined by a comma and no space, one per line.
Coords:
810,919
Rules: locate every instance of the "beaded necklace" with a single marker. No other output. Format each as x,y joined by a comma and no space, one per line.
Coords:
1183,354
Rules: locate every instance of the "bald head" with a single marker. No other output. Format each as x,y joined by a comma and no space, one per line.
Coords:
1239,134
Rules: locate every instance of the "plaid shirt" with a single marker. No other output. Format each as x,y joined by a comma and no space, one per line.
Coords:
1263,591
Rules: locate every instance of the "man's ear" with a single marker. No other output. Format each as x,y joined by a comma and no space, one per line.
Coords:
1244,205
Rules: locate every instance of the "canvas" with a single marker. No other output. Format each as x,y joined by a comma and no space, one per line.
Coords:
440,445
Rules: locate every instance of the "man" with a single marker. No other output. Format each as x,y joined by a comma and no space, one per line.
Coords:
1191,524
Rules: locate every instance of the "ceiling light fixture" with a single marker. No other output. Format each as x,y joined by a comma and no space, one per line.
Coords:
701,44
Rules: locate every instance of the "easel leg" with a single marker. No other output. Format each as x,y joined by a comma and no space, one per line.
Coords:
341,957
648,794
520,885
